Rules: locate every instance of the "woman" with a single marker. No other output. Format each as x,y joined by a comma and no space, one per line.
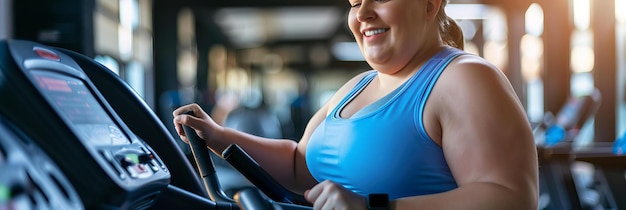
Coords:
430,128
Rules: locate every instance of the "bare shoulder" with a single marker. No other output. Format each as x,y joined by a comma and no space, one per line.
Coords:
471,77
471,84
471,67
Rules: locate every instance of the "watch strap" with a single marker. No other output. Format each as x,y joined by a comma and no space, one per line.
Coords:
378,201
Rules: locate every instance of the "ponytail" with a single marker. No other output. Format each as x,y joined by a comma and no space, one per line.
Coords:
452,34
450,31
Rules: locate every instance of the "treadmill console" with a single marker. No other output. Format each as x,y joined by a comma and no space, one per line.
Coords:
50,96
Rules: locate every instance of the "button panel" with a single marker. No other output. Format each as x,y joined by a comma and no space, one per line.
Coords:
134,163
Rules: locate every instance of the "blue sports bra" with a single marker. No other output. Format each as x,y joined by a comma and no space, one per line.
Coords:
384,148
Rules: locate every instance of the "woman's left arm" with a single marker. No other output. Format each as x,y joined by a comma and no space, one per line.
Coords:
486,139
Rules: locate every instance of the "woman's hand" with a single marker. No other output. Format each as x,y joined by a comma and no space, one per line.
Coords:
202,123
329,195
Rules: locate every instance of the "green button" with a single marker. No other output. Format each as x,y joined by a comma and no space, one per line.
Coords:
133,157
5,193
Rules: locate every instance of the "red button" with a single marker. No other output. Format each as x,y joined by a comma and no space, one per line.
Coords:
47,54
139,168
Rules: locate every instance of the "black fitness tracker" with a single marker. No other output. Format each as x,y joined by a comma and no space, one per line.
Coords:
378,201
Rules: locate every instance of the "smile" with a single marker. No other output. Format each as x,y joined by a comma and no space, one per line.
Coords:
376,31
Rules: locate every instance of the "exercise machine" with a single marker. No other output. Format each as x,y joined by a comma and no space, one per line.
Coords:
48,96
106,141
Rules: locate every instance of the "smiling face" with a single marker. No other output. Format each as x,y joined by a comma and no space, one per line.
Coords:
392,32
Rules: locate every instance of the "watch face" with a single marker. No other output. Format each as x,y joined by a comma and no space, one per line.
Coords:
378,201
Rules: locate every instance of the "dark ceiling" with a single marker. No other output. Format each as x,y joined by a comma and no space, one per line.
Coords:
267,3
278,24
283,3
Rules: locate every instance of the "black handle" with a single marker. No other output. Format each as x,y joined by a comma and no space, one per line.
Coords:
239,159
205,166
251,199
200,152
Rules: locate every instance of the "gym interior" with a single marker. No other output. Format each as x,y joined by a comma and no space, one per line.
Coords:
264,67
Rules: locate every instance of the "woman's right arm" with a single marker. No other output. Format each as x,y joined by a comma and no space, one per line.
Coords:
283,159
276,156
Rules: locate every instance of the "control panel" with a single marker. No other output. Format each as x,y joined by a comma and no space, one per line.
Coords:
49,96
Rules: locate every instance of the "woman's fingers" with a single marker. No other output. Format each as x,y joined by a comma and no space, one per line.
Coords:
181,118
329,195
186,108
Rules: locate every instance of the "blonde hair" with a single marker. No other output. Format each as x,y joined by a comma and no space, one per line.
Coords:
450,31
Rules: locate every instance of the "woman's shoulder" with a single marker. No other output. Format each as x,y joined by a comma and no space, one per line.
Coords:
472,68
470,78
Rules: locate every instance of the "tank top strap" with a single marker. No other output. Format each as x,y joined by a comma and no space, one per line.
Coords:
437,64
355,91
428,76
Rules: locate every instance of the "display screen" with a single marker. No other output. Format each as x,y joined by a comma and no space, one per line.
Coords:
74,100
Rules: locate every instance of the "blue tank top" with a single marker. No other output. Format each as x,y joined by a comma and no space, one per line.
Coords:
386,149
